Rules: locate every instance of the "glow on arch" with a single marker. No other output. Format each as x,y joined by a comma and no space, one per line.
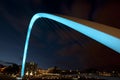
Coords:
103,38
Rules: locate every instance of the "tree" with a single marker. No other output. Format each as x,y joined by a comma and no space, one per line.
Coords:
12,69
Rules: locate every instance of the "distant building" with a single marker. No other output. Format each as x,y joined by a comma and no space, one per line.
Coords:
31,69
42,71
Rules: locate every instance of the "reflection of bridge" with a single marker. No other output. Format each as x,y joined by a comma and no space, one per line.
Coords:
107,38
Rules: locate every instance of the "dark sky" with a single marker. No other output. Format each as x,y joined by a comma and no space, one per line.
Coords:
54,44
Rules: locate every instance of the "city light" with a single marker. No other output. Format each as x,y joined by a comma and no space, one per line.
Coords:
101,37
34,73
26,73
31,73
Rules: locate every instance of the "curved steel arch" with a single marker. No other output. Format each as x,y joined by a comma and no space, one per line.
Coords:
101,37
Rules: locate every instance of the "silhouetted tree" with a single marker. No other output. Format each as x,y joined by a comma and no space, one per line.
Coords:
12,69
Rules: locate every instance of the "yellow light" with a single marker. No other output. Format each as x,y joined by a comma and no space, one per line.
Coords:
31,74
27,73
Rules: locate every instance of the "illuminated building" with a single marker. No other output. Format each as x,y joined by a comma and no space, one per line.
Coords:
42,71
31,69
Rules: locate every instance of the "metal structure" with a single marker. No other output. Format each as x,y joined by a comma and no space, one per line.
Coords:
104,38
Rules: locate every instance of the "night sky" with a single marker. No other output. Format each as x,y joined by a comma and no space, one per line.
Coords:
51,43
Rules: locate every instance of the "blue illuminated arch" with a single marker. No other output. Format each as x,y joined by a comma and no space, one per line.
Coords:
101,37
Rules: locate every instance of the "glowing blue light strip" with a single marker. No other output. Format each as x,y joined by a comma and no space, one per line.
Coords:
103,38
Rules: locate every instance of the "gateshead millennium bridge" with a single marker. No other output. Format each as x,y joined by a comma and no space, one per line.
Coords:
90,29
